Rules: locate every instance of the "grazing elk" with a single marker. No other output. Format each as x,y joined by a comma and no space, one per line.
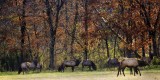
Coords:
26,66
130,63
71,63
90,64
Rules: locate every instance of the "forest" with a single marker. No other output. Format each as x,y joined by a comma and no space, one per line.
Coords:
56,30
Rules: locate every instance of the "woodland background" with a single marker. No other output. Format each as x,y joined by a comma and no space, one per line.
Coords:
54,30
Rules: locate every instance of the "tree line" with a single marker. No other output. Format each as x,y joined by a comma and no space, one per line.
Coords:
53,30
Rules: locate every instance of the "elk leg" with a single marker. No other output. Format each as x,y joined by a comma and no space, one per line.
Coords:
123,71
135,71
82,67
34,70
73,69
131,71
23,71
27,70
139,71
63,69
90,68
119,70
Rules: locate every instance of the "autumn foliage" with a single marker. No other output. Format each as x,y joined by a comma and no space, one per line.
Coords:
104,28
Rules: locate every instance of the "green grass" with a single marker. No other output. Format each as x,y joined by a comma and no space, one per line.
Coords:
8,73
78,75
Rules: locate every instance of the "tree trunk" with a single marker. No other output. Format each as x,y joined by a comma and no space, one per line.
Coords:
74,29
129,51
52,40
29,46
66,31
143,48
158,46
106,41
154,43
86,31
143,52
152,36
115,43
155,28
114,48
37,43
23,31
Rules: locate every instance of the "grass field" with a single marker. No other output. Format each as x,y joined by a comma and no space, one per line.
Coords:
94,75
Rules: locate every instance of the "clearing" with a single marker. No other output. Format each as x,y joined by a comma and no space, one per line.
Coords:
78,75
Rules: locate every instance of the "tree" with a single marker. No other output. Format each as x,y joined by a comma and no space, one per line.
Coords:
23,31
53,28
74,29
86,30
146,9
